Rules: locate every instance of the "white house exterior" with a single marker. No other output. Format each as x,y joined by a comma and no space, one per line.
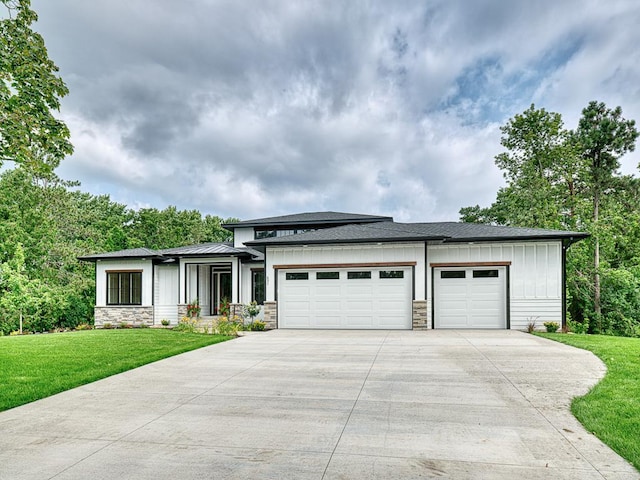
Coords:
330,270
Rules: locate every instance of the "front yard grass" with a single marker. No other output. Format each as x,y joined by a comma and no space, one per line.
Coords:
611,410
36,366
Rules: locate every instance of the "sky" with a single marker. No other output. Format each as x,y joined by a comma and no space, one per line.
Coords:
258,108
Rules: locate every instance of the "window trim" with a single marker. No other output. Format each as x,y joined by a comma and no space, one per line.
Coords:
120,273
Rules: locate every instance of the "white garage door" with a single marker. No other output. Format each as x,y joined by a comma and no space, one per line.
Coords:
355,298
473,297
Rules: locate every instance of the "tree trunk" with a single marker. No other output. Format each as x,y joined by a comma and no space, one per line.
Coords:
596,260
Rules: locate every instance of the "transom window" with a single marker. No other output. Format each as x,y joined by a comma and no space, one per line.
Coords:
357,275
391,274
327,275
297,276
124,288
485,274
258,234
453,274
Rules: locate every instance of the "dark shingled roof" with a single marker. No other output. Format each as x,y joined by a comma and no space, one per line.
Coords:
131,253
311,218
441,231
200,250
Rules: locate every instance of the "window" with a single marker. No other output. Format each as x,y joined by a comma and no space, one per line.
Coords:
485,274
453,274
124,288
357,275
391,274
258,234
327,275
297,276
257,286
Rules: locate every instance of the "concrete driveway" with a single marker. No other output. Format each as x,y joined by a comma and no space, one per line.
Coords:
324,404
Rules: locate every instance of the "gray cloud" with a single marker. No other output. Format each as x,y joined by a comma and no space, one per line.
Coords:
260,108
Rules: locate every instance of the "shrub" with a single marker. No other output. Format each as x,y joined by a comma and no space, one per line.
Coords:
165,322
551,327
578,327
143,325
107,325
258,325
187,325
125,325
531,324
228,327
84,326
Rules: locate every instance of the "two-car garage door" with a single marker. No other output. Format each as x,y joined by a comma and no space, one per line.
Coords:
349,298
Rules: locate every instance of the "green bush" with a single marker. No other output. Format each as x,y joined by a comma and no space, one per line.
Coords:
551,327
257,326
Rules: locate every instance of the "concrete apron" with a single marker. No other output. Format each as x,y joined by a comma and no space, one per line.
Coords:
324,404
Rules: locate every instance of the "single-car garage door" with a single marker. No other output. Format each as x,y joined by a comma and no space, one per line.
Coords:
355,298
470,297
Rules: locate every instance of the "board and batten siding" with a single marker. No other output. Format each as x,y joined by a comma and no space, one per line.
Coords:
102,267
535,283
347,254
165,292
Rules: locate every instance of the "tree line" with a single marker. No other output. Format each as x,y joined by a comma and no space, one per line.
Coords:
567,179
555,178
44,228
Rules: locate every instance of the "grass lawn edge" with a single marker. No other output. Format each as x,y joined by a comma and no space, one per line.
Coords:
611,408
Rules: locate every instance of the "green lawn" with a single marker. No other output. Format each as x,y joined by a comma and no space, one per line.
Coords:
36,366
611,410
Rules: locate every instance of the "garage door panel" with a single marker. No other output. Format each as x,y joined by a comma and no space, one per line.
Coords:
344,302
360,321
327,321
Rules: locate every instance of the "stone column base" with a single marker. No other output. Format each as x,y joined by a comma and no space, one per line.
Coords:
270,315
420,318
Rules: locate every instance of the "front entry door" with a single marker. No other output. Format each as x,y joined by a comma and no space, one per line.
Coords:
221,289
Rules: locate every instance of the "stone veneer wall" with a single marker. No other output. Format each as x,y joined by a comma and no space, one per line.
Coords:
235,309
420,320
115,315
270,315
182,310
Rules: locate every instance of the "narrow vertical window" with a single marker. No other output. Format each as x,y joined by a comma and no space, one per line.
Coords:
258,286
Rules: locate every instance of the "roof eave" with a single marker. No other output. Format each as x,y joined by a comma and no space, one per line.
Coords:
574,237
345,221
340,241
91,258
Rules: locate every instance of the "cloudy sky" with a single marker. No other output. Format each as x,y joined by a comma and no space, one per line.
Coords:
265,107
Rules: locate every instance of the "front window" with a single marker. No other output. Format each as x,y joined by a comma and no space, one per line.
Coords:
124,288
257,286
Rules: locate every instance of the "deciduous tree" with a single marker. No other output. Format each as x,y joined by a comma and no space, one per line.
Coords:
30,91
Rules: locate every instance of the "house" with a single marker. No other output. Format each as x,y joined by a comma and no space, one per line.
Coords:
332,270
